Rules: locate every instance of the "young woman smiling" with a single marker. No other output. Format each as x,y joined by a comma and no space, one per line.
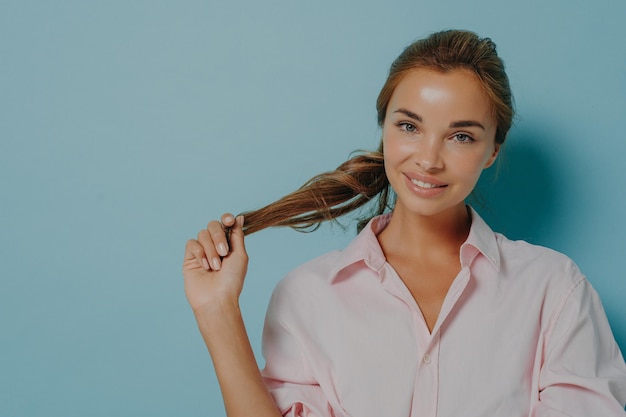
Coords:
427,312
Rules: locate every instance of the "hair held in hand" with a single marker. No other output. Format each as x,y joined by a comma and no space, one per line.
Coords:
327,196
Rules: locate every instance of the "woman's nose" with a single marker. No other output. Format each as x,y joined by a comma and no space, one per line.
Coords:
428,154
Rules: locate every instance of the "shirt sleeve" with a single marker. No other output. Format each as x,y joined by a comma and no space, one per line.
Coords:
583,372
287,373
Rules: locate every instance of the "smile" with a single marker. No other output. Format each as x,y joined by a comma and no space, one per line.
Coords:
425,184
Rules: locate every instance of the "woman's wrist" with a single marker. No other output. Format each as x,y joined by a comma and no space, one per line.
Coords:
217,321
218,310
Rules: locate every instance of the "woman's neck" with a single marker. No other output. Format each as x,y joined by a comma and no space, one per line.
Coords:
430,237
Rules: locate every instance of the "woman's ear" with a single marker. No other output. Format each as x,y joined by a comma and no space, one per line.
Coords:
493,156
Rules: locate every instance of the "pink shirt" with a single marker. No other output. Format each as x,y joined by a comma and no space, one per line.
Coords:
521,333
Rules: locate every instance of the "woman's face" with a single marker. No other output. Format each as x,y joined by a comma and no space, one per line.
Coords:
438,136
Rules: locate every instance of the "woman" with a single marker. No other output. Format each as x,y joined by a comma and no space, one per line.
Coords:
427,312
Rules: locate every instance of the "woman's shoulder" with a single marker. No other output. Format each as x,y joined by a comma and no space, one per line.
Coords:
527,249
321,272
532,260
310,275
519,259
305,289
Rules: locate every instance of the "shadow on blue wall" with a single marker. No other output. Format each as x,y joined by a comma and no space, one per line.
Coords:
519,196
618,324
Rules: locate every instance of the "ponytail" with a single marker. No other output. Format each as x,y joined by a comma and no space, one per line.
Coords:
328,196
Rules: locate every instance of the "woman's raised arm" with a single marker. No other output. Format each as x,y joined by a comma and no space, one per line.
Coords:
213,286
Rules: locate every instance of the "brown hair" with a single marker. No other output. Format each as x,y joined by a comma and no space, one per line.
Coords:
362,178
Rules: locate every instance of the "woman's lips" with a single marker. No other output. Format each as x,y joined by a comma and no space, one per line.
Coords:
424,186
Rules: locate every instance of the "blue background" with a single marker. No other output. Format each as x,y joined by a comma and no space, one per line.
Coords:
126,125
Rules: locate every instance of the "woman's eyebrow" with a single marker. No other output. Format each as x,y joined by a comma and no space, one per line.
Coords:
410,114
467,123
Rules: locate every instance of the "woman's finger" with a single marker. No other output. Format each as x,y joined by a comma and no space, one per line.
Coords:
195,252
210,252
228,219
237,237
219,238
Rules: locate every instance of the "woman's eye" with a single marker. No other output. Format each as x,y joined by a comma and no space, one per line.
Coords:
463,138
408,127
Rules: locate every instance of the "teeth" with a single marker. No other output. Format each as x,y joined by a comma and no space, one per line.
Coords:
423,184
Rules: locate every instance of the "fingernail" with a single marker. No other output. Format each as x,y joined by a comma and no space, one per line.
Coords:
222,249
215,263
205,263
240,220
228,219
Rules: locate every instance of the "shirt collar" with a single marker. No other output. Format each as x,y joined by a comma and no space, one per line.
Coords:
365,246
482,240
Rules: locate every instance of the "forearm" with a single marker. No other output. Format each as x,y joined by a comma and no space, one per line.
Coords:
238,374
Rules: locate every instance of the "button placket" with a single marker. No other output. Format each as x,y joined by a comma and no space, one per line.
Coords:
426,390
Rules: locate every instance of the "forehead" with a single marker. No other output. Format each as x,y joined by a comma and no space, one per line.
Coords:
456,94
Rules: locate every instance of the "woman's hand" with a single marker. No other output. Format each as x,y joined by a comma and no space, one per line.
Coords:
214,271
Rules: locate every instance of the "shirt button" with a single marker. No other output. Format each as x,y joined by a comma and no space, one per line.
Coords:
427,358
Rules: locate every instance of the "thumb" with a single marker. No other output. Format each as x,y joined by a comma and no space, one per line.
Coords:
237,236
